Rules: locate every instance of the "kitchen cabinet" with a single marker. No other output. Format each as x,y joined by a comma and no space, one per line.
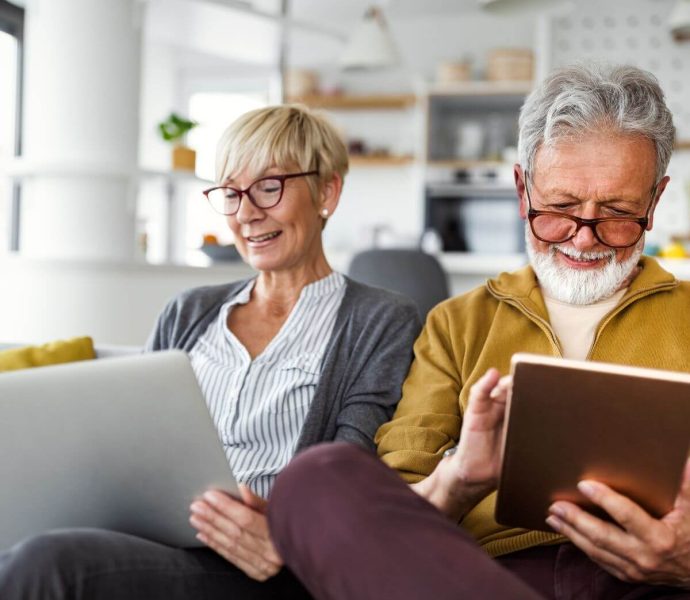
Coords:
472,123
472,130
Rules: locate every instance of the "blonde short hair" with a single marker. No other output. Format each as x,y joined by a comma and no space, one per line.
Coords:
287,136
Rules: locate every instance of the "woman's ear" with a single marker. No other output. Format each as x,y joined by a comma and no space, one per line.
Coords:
330,195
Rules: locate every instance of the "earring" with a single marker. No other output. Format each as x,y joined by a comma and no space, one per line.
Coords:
324,213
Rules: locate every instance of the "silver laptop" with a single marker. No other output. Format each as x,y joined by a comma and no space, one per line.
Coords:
120,443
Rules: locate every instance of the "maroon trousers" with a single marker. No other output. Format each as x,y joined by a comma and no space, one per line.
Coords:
350,528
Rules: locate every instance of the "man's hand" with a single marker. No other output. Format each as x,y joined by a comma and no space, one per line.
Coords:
461,480
238,531
637,548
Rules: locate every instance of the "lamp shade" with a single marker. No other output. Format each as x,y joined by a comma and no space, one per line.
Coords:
371,45
679,20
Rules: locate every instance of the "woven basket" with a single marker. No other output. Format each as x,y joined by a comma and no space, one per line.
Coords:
510,64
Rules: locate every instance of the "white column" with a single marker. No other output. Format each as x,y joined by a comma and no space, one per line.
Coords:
81,128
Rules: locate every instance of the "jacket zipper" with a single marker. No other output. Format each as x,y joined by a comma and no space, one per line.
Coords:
544,325
637,296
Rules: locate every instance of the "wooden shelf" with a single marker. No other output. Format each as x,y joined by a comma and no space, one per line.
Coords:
348,102
682,145
465,164
483,88
380,161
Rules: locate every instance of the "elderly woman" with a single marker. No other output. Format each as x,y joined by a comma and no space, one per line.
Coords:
297,355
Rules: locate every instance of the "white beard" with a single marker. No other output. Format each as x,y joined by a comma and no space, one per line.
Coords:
575,286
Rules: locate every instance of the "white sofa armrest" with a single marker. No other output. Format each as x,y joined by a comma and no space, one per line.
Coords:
102,350
111,350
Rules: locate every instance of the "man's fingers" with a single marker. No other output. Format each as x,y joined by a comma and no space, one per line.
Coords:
503,389
629,515
683,498
480,392
595,547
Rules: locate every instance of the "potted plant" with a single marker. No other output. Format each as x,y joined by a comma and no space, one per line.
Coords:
174,129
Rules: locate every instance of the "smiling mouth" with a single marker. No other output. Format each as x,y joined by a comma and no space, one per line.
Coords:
264,238
584,257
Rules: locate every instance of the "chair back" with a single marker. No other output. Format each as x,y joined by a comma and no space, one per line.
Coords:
408,271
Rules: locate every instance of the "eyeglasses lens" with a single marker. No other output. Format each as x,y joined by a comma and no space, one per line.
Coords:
555,229
264,193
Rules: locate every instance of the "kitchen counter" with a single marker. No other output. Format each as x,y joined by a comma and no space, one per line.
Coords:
467,270
117,303
488,264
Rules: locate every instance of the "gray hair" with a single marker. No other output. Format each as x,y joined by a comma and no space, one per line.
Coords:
580,99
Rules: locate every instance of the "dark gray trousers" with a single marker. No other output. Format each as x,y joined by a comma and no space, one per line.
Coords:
93,564
350,528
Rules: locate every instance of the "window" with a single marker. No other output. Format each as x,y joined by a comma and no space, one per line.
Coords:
214,111
11,36
172,214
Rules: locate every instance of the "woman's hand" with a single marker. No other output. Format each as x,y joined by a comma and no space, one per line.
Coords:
637,547
462,479
238,531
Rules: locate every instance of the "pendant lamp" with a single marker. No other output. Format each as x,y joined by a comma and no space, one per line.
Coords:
371,45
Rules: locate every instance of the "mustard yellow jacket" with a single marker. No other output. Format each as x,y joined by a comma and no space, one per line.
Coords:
466,335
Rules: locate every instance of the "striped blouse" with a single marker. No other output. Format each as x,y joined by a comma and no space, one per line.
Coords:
259,406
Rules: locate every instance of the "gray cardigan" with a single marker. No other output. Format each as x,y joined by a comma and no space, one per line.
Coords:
366,360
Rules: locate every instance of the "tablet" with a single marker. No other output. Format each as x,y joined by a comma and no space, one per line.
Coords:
119,443
570,420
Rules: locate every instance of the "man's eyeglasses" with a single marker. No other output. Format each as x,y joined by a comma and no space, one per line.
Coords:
263,193
615,232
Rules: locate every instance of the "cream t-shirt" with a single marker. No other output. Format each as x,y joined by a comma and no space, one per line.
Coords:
575,324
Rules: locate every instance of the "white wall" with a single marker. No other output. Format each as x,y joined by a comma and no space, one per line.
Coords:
115,303
636,32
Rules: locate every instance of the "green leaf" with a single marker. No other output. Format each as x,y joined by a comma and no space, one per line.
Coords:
175,127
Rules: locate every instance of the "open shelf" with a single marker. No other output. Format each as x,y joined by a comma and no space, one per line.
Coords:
357,102
482,88
465,164
380,161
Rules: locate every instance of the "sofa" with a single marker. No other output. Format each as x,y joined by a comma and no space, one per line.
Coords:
15,355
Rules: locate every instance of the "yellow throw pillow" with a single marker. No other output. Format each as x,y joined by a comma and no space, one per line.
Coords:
60,351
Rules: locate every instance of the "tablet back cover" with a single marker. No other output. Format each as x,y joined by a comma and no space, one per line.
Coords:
572,420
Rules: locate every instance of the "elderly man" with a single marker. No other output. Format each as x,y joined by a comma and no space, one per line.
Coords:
594,146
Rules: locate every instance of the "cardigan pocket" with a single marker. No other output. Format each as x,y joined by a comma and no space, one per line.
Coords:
299,376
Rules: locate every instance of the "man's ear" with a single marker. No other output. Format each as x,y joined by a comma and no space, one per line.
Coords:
659,190
519,176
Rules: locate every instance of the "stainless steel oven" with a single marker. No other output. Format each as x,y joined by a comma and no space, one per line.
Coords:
478,217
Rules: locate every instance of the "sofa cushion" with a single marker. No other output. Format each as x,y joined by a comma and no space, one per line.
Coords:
60,351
